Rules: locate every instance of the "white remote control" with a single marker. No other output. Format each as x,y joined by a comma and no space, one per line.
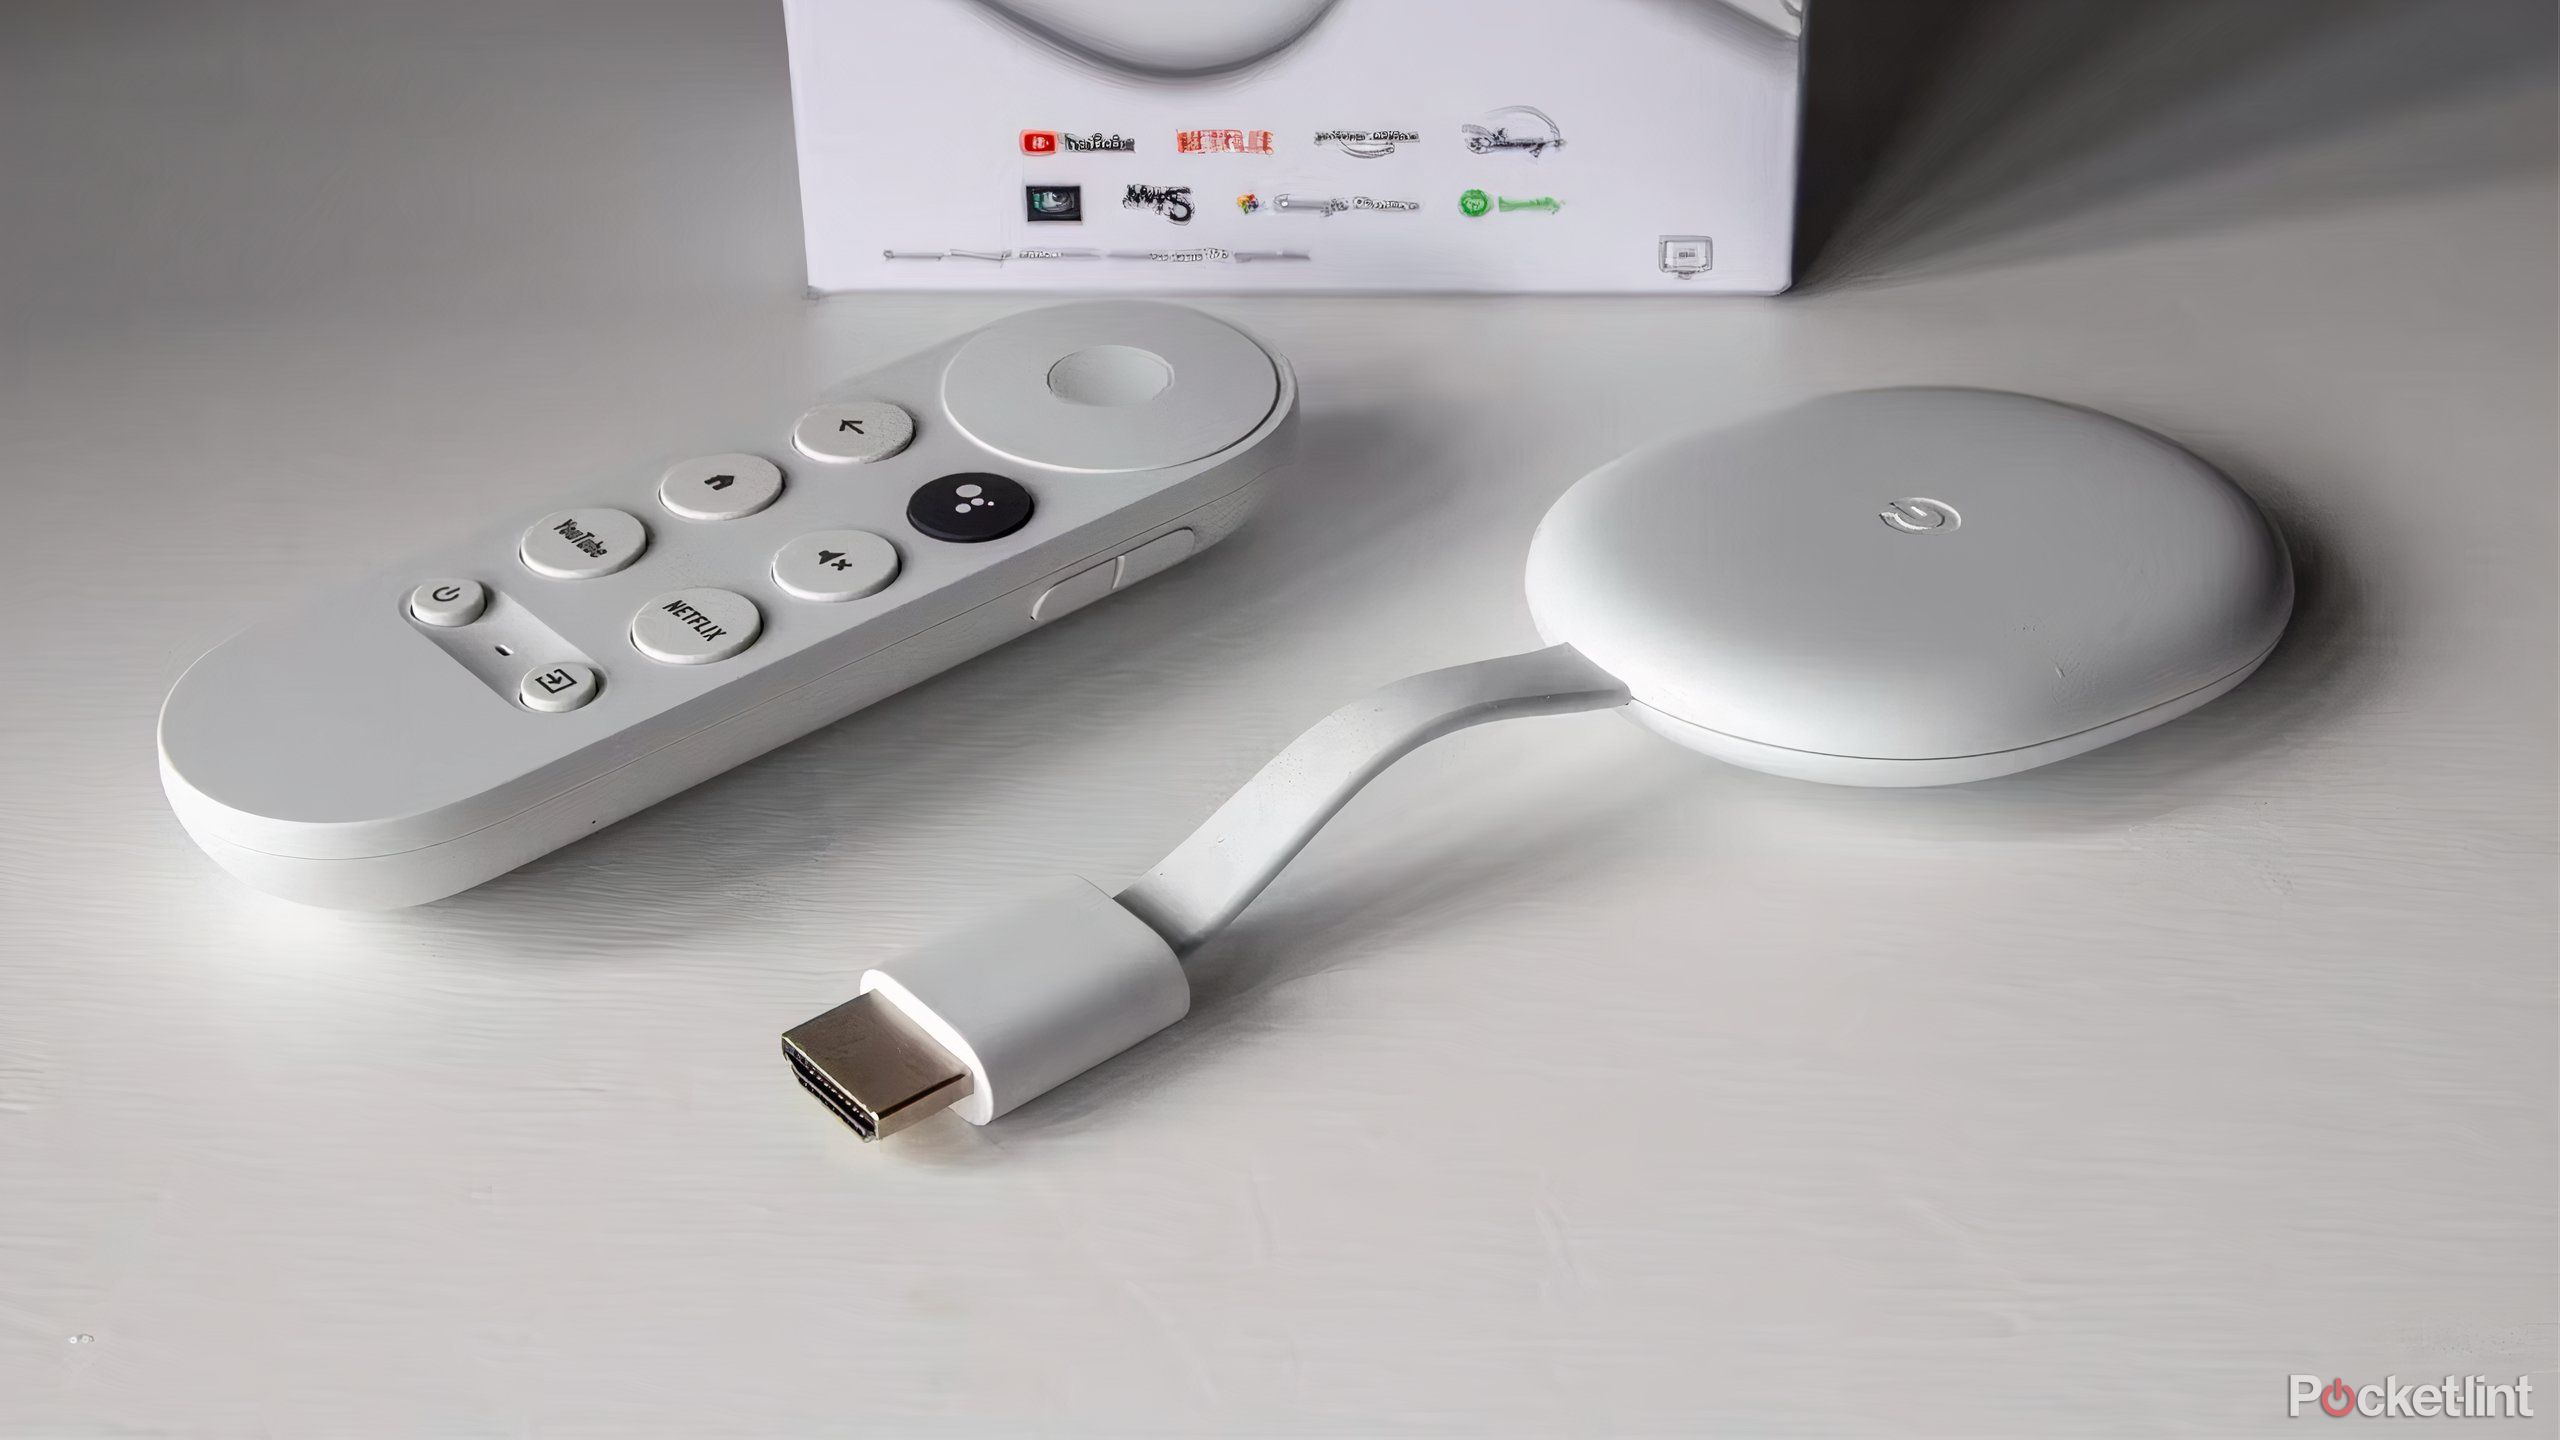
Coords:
420,730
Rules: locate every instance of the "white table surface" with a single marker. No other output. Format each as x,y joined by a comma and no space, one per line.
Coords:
1569,1083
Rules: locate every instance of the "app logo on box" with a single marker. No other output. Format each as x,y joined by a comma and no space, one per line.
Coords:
1523,129
1053,142
1477,202
1222,142
1335,205
1057,204
1173,202
1367,144
1685,255
1248,202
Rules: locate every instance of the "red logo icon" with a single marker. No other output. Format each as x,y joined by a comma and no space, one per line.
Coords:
2337,1399
1039,142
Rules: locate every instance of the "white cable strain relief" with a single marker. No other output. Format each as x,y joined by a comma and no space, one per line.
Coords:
1038,992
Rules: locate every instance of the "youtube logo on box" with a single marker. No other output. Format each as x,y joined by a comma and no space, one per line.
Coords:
1039,142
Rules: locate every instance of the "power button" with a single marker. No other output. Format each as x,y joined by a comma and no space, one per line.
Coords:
446,603
1920,516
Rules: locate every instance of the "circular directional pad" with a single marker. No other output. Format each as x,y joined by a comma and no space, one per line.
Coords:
1108,387
969,507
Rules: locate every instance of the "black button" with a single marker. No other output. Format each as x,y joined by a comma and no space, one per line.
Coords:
969,507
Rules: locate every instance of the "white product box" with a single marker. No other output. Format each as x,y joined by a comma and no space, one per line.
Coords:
1298,145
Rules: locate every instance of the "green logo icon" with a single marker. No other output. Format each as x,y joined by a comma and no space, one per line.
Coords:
1548,203
1474,202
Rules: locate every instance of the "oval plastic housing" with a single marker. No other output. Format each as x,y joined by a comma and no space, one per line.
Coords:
1166,38
1912,587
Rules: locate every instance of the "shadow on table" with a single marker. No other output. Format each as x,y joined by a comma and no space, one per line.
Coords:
1310,932
1942,134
